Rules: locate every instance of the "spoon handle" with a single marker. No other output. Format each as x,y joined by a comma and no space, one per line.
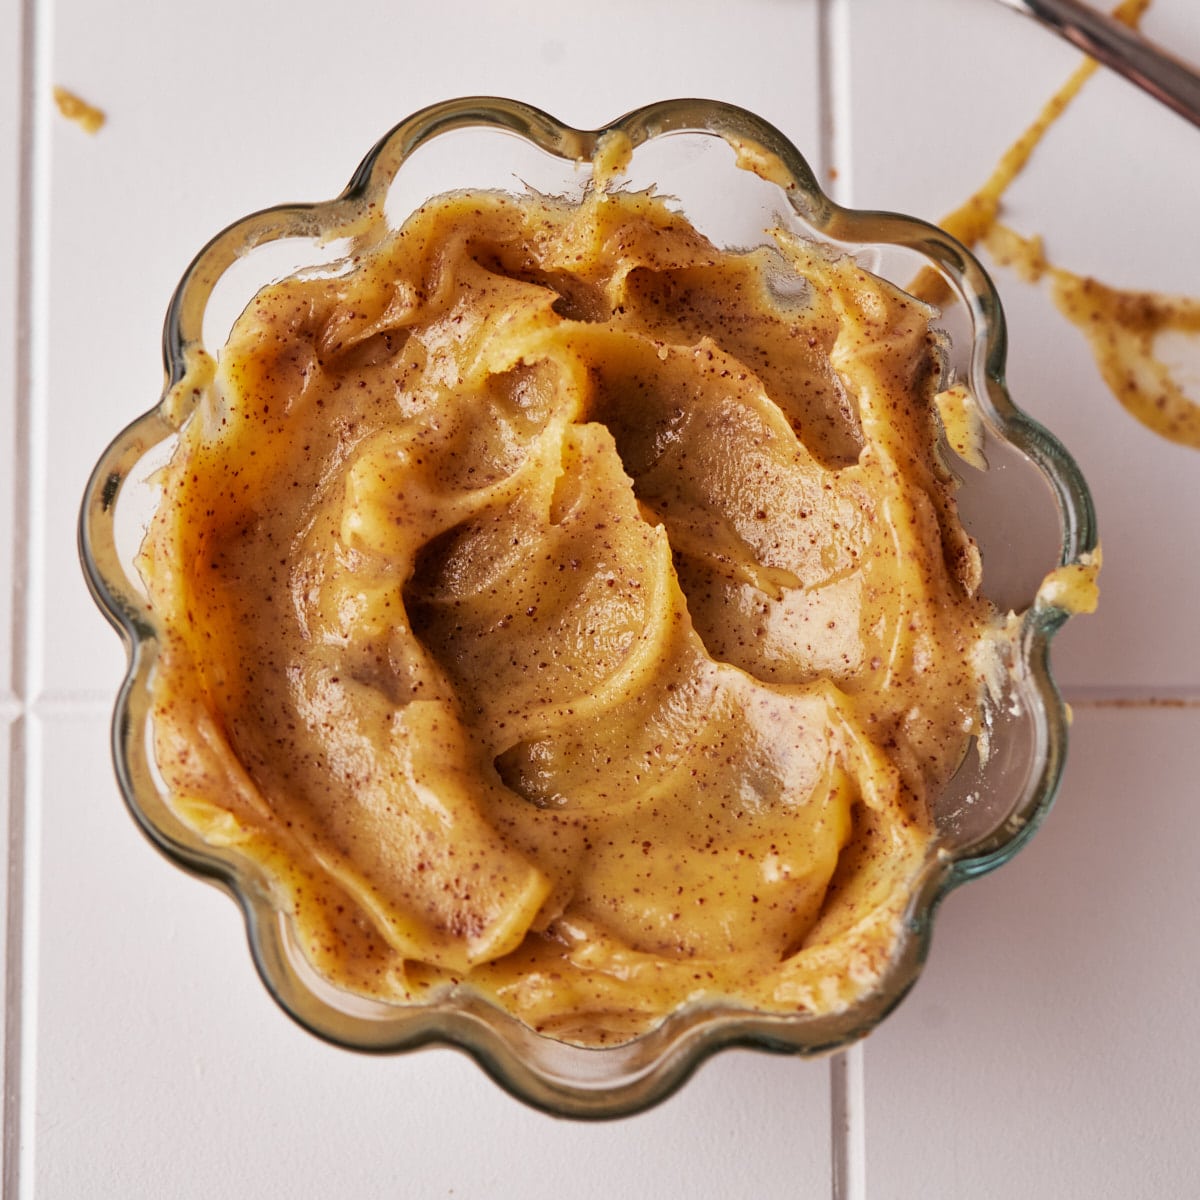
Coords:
1123,49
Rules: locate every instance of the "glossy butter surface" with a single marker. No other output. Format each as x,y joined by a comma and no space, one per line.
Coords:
557,604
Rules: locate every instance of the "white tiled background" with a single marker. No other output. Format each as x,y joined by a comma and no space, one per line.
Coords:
1050,1050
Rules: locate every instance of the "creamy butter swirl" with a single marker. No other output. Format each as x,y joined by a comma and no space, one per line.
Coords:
557,605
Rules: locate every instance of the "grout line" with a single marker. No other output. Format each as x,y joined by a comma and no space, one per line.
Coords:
848,1147
14,875
23,365
847,1138
835,71
13,950
34,357
25,832
21,884
848,1114
73,704
63,704
1131,697
826,166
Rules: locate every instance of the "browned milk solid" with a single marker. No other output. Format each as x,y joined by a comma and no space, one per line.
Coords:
553,604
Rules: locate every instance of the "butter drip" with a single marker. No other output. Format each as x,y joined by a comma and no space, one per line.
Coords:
1121,326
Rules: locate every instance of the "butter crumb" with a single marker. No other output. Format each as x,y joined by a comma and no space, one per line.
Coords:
962,424
1074,588
614,153
764,163
87,116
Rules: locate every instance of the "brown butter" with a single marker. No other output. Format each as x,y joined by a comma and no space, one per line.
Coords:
554,603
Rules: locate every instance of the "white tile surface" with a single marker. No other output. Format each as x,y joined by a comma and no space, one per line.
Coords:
1050,1049
155,1064
164,1066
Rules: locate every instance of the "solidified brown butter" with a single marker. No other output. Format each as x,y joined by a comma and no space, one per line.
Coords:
1121,326
556,605
1074,588
87,116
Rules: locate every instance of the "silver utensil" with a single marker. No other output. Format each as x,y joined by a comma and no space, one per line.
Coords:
1126,51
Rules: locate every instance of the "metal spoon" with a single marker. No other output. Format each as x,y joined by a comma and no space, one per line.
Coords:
1123,49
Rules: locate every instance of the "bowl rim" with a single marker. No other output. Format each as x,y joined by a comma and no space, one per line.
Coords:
609,1081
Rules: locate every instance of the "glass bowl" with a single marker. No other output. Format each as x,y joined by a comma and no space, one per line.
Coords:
736,175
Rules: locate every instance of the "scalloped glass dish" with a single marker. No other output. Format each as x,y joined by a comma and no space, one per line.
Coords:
735,176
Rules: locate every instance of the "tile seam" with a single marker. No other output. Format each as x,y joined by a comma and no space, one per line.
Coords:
23,366
848,1114
28,623
839,174
13,948
847,1139
73,704
18,665
825,165
1132,698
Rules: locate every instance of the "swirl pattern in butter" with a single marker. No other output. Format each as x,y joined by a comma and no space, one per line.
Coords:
559,606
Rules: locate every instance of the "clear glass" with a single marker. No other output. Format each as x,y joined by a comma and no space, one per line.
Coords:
1029,512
